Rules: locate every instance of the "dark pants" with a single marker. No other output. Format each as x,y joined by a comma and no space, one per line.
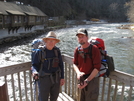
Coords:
91,91
48,88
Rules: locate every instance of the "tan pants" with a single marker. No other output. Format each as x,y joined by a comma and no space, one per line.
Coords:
91,91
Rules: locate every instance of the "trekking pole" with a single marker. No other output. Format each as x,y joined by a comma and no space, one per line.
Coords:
35,88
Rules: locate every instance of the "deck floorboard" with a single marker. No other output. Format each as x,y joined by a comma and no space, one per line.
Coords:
64,97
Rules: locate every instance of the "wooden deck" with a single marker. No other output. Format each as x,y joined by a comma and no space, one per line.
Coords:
64,97
118,87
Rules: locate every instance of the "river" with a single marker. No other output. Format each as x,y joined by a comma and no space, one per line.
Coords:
119,44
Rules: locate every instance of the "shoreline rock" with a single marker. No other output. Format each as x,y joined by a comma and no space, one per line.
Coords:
127,26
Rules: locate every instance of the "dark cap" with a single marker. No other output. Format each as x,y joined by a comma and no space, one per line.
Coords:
82,31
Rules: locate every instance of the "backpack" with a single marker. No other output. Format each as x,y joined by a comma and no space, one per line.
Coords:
36,44
107,62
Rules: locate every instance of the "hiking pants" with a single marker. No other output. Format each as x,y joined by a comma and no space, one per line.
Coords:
47,88
91,91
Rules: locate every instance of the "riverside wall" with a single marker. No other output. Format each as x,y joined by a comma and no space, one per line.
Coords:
5,37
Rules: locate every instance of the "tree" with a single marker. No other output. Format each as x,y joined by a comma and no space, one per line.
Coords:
83,9
130,12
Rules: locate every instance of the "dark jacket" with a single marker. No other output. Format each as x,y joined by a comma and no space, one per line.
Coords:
48,62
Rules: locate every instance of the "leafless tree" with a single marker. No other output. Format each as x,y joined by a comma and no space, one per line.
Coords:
130,12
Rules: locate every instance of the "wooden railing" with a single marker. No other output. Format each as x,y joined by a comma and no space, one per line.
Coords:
118,87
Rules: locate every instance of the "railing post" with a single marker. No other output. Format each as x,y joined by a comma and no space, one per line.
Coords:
3,92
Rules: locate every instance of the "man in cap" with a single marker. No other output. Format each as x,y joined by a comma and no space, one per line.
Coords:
48,69
87,68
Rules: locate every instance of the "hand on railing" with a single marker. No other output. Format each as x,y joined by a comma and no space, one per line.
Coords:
79,75
81,81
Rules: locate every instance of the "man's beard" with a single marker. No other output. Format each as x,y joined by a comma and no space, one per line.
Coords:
81,43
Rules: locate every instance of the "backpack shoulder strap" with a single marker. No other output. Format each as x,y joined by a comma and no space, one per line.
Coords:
90,50
42,55
78,49
56,51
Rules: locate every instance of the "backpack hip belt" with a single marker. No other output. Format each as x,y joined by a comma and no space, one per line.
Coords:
57,74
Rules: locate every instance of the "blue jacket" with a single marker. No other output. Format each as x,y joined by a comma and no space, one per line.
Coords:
48,59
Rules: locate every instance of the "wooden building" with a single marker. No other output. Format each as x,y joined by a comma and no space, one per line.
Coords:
14,15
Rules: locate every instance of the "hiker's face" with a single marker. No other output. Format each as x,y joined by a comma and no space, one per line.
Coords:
82,39
50,43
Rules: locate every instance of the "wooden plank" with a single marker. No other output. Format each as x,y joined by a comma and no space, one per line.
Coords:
125,78
3,92
109,90
19,85
64,97
69,79
130,94
6,88
30,79
25,84
67,59
13,87
122,93
115,91
103,89
65,77
73,84
14,68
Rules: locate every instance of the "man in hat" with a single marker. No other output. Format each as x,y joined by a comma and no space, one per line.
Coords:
87,68
48,69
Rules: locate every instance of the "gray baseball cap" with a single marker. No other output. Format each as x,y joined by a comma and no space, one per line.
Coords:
82,31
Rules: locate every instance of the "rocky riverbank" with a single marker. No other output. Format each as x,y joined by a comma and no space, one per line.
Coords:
127,26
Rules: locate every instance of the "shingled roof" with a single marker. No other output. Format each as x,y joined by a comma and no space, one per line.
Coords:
7,8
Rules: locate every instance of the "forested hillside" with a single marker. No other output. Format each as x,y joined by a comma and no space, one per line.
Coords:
113,10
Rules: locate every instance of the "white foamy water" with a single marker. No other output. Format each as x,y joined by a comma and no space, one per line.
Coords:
116,42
